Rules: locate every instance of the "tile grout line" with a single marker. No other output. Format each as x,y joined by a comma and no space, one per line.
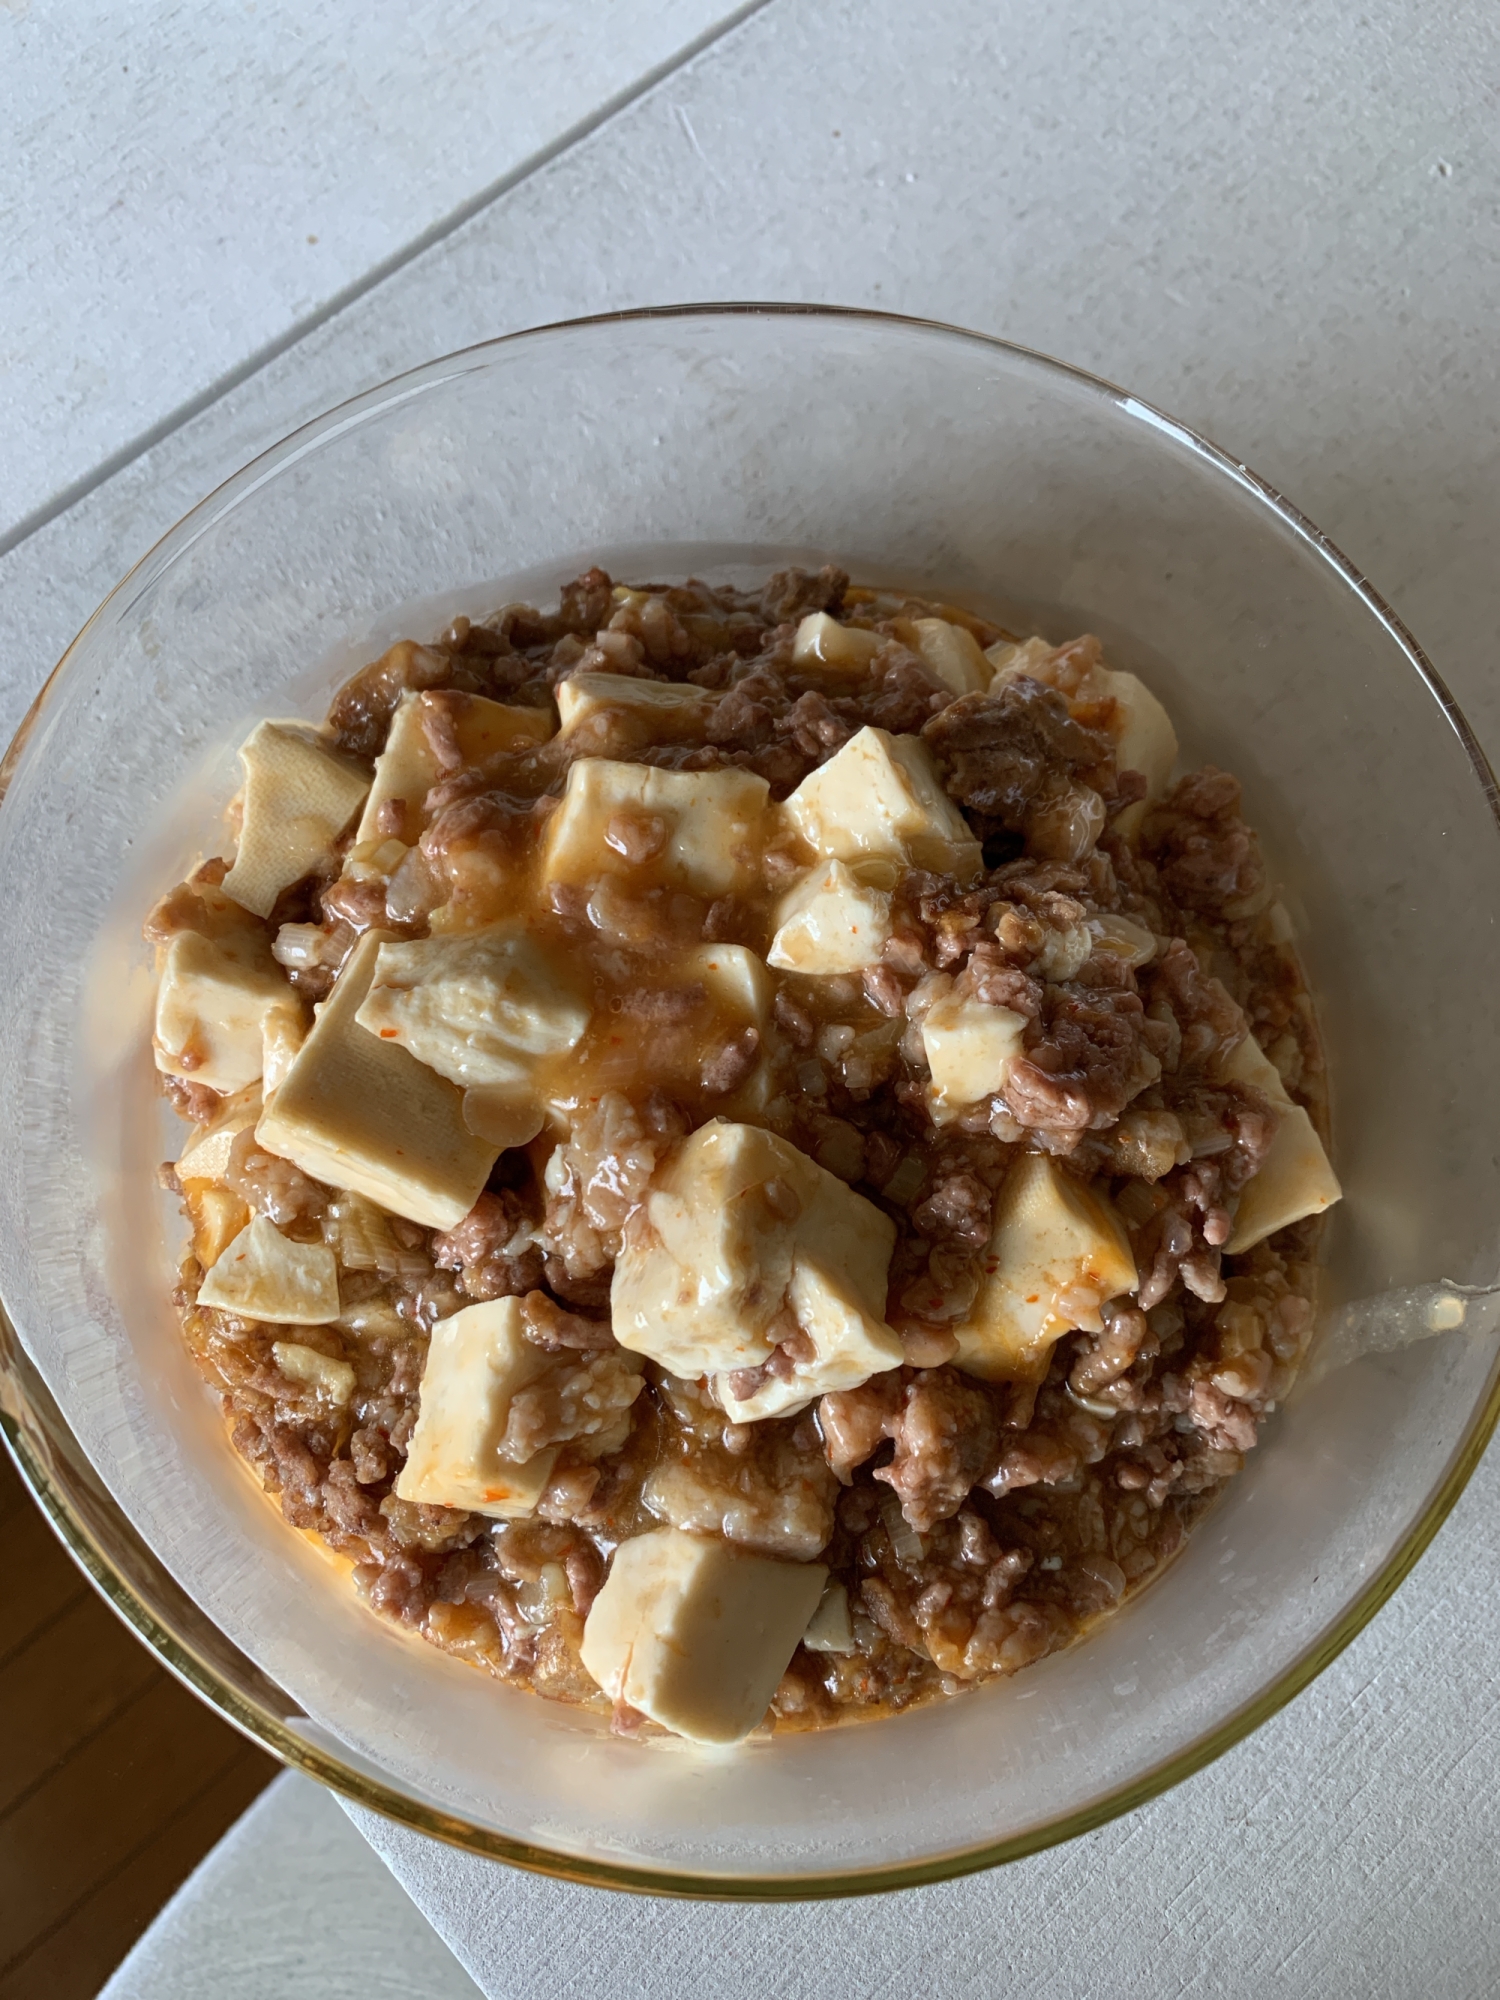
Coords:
371,280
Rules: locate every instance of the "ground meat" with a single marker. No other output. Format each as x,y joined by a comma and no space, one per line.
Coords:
1001,754
792,593
945,1435
273,1186
960,1208
549,1326
814,728
943,1426
1208,860
490,1251
362,709
973,1526
192,1101
727,1067
1084,1062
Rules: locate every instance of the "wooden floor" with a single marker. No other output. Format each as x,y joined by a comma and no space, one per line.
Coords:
114,1781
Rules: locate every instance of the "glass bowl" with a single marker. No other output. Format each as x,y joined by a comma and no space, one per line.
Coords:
725,442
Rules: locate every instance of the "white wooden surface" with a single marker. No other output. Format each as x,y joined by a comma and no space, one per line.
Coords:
1282,223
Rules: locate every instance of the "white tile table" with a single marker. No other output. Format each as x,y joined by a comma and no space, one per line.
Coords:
1281,222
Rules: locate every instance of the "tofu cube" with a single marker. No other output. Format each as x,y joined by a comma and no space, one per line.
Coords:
362,1113
881,797
707,1258
830,1630
1295,1178
739,987
407,769
206,1156
843,1319
478,1362
479,1007
1058,1251
970,1046
496,1408
505,1114
620,713
841,649
282,1033
1247,1062
708,831
330,1378
830,922
1124,936
265,1275
1019,656
299,796
696,1634
1146,741
211,1004
741,1240
217,1216
952,654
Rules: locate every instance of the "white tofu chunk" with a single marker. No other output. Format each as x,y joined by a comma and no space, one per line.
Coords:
707,1258
1125,937
738,984
206,1157
970,1046
829,1630
496,1408
952,654
478,1361
407,769
850,1340
880,796
1147,742
282,1033
742,1242
362,1113
843,649
696,1634
211,1004
830,922
265,1275
619,712
1295,1178
217,1216
333,1379
299,796
1247,1062
1058,1251
503,1114
479,1007
704,828
1019,656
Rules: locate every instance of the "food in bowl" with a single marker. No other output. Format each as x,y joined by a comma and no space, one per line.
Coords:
757,1158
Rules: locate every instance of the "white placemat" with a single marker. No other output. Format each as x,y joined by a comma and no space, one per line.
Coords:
1345,1851
291,1905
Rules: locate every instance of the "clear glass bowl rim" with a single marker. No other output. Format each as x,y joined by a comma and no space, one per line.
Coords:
27,1414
